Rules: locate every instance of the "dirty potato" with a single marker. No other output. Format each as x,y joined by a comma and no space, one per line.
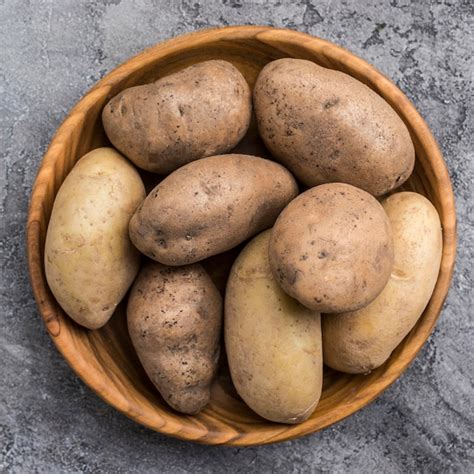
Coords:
332,249
200,111
210,206
174,319
327,126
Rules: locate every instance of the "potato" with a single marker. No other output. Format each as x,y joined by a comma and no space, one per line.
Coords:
358,342
210,206
325,126
89,260
200,111
174,319
331,248
273,343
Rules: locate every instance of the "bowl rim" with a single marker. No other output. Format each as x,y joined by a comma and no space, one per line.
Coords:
268,35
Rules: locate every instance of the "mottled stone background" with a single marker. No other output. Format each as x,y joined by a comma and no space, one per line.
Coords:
50,54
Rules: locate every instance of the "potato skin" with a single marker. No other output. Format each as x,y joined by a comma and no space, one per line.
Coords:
325,126
174,317
200,111
210,206
273,343
358,342
331,248
89,260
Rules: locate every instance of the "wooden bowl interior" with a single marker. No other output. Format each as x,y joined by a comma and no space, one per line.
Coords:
105,358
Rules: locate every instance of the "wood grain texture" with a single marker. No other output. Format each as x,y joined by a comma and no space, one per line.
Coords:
105,359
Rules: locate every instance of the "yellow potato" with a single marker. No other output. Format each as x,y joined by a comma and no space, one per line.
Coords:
273,343
89,260
359,341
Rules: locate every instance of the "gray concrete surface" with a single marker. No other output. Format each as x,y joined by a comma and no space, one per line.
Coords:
50,54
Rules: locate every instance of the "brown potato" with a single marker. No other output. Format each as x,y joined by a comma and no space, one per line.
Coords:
200,111
273,343
359,341
331,248
210,206
326,126
174,320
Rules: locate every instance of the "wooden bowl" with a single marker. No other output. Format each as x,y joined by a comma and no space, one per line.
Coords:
105,359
